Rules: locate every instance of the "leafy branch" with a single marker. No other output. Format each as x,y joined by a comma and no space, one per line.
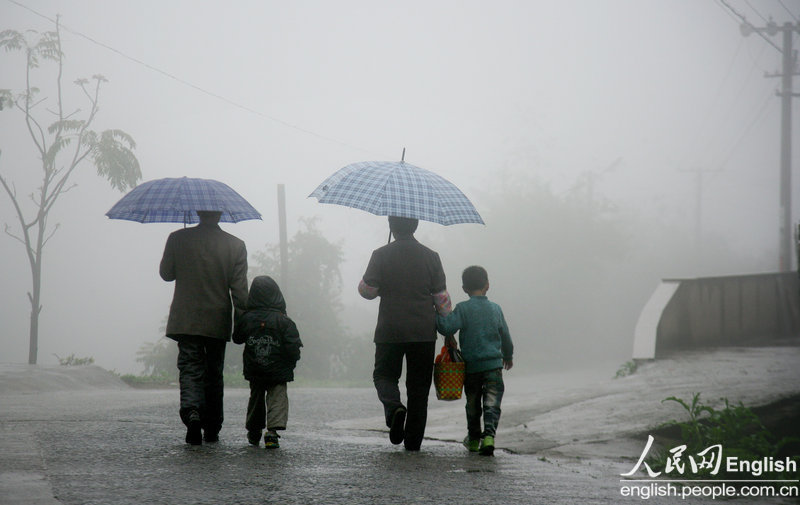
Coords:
62,147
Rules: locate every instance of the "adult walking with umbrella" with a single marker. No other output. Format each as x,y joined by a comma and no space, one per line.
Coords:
209,267
406,275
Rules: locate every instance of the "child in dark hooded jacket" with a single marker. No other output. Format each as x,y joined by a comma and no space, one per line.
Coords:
271,350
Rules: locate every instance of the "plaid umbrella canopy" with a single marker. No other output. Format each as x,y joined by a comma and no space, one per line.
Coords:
397,188
175,200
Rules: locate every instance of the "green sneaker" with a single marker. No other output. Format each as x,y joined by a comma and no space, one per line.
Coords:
487,445
472,444
271,440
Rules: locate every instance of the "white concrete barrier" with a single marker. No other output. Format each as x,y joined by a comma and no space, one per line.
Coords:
741,310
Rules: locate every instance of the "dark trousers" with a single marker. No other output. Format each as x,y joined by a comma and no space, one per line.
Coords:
200,363
419,374
484,392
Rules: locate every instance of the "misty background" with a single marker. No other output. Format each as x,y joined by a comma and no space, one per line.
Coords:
579,129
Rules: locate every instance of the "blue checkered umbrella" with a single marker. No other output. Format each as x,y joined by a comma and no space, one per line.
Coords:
176,200
397,188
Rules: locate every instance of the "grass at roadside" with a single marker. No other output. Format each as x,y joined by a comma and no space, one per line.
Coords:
701,446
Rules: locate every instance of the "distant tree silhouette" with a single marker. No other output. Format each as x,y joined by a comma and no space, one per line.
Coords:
572,270
312,293
61,146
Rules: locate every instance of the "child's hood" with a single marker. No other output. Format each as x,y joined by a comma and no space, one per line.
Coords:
265,294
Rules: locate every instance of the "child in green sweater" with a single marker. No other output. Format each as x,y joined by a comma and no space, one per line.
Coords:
487,348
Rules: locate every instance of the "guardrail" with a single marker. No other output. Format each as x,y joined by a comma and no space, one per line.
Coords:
739,310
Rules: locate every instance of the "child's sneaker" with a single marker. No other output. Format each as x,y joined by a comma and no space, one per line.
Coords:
254,437
487,445
472,444
271,440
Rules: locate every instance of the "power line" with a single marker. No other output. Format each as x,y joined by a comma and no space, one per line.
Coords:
194,86
701,171
730,14
747,130
717,96
746,22
756,11
787,10
717,135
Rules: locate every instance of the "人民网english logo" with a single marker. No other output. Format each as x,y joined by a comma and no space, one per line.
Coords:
711,459
677,472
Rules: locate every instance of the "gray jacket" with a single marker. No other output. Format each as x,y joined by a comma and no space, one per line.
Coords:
209,267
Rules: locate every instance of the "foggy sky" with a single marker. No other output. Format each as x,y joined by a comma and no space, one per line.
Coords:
469,88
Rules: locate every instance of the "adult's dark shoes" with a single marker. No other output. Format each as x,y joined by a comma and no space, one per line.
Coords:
398,427
254,437
194,434
210,436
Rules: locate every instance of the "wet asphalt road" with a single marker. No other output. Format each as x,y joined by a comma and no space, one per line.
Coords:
126,447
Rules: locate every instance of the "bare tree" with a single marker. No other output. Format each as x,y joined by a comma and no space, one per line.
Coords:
61,147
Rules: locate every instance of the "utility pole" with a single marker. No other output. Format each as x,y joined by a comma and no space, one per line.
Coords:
786,93
284,246
698,213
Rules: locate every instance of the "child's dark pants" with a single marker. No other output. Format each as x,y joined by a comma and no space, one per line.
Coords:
484,392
